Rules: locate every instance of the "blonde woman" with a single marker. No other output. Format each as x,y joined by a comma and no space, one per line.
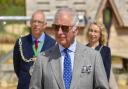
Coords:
97,38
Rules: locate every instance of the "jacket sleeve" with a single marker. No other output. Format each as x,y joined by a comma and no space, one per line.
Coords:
100,78
36,81
108,62
16,58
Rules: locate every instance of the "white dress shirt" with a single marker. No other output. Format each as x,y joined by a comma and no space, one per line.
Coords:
72,49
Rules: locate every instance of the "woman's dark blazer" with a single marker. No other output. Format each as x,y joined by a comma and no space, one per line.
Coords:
106,56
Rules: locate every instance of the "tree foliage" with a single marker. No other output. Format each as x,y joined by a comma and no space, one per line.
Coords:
13,2
12,7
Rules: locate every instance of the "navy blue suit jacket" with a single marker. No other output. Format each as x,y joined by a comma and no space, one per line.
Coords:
106,57
21,67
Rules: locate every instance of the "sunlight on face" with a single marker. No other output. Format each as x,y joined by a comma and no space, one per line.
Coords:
37,24
94,33
64,38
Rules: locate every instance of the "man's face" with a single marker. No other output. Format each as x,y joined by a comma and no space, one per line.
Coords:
63,28
37,24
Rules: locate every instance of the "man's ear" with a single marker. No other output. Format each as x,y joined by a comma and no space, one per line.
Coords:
75,30
45,25
30,22
75,26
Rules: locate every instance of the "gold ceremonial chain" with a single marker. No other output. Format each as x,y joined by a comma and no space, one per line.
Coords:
21,52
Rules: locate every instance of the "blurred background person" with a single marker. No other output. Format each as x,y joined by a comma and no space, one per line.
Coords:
27,48
97,39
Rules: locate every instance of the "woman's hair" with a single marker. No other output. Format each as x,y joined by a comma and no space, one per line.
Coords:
103,33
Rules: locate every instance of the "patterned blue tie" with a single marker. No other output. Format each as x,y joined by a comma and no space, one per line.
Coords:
67,69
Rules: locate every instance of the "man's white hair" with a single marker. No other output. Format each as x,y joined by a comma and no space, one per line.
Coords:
70,11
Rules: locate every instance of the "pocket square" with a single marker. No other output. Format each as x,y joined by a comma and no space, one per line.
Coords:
86,69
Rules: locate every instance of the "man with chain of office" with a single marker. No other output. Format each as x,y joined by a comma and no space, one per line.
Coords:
28,47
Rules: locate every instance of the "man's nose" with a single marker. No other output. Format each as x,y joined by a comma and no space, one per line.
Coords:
60,30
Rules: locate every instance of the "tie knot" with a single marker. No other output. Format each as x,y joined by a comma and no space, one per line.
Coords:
36,41
36,44
66,50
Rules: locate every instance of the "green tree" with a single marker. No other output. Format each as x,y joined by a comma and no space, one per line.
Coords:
12,7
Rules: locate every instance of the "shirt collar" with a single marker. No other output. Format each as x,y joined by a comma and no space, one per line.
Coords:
40,39
71,48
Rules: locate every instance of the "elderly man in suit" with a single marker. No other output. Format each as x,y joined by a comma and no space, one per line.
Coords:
27,48
68,64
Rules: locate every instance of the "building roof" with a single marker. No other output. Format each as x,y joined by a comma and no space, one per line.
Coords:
85,8
120,9
50,6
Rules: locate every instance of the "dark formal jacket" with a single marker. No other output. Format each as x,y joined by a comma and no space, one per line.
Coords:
106,57
22,68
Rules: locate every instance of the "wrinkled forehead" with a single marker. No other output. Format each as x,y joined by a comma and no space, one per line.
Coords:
38,16
64,18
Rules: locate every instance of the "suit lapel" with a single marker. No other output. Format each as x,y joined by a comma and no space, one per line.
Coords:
27,43
45,43
56,66
78,62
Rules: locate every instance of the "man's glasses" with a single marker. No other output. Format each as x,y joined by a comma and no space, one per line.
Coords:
63,27
37,21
